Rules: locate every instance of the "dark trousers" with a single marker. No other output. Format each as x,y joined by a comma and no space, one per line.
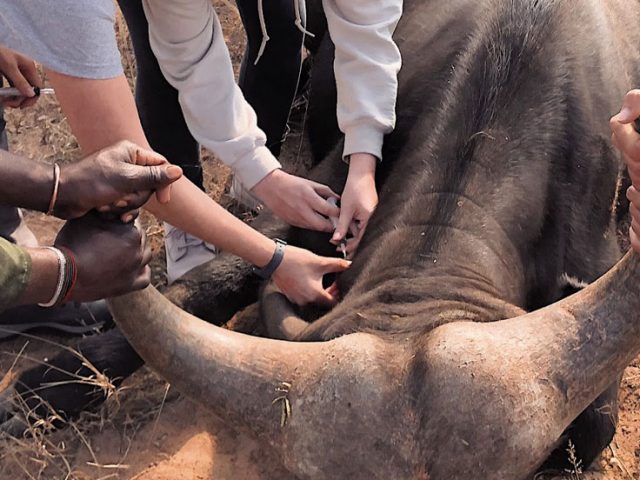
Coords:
269,86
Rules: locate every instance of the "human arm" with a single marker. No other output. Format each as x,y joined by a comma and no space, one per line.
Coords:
187,40
111,259
119,178
627,140
367,62
300,274
98,121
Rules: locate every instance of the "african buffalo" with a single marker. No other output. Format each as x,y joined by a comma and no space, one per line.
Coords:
497,197
497,194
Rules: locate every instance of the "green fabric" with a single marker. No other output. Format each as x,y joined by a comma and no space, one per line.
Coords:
15,271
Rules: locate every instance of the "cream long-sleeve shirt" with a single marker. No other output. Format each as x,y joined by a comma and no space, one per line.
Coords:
187,39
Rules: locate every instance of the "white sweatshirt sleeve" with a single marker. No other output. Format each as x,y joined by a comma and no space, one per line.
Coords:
366,67
187,39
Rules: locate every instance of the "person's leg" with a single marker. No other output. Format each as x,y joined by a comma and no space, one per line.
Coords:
270,85
157,101
167,132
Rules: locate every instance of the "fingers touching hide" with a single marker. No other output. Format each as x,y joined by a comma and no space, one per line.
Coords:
300,276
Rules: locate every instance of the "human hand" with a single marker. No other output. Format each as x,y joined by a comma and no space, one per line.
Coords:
359,200
297,201
116,180
627,140
299,276
22,73
624,136
111,257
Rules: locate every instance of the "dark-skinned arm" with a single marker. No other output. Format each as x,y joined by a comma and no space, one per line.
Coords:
41,279
119,178
25,183
111,259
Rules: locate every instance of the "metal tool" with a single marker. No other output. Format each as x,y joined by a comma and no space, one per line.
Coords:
334,221
14,92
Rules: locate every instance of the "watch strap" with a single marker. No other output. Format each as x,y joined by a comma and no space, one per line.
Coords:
266,271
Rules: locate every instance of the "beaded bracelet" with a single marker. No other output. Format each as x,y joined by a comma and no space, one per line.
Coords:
61,278
71,274
67,277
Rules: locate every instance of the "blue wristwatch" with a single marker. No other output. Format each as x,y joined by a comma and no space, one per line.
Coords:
266,271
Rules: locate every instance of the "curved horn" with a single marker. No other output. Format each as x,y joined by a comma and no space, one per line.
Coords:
359,394
541,369
236,376
584,341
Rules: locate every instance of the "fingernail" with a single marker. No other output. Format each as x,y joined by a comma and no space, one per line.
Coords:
174,172
127,218
121,204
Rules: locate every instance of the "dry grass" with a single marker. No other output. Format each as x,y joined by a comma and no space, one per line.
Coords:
45,452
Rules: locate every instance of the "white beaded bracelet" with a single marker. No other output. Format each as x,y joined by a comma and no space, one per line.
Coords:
62,263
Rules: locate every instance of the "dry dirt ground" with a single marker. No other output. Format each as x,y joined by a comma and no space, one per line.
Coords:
146,430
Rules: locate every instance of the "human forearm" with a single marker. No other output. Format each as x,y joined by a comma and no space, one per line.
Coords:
43,279
362,164
25,183
210,222
301,272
